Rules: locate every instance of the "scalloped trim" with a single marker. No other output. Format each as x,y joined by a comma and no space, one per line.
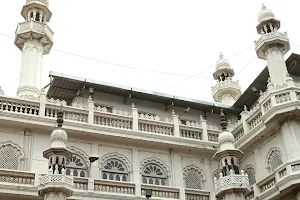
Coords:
117,156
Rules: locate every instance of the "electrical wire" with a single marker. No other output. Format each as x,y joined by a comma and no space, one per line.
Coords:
186,77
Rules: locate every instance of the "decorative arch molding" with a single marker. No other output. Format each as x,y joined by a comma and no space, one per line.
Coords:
196,168
81,153
10,151
115,155
270,155
250,171
154,160
193,177
20,151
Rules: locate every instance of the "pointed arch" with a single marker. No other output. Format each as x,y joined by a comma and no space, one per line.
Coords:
274,158
81,153
154,171
10,155
193,177
115,166
250,171
78,164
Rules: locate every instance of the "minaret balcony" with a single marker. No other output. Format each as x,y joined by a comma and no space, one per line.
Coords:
34,30
264,42
226,86
232,182
56,182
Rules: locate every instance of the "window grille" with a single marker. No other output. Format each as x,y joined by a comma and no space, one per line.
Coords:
193,178
10,157
249,170
76,166
153,174
114,169
274,159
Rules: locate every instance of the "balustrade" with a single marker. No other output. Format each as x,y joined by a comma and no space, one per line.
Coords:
191,194
17,177
213,137
114,187
80,183
161,191
190,132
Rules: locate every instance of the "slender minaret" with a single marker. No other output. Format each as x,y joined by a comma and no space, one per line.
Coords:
56,185
232,183
34,38
272,46
226,91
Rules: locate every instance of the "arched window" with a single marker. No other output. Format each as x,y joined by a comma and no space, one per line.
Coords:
76,166
154,174
193,177
115,166
114,169
10,156
37,17
274,159
249,170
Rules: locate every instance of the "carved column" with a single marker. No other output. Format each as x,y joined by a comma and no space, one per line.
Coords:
31,69
290,130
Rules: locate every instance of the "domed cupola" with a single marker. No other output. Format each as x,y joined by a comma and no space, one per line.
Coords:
223,69
265,14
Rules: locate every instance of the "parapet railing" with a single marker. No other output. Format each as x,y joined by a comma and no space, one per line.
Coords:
83,185
120,119
269,101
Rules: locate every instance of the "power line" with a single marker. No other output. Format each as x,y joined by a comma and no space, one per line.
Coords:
186,77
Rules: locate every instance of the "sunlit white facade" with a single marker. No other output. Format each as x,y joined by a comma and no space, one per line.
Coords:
84,139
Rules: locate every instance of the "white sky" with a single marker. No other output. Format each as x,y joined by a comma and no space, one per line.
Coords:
172,36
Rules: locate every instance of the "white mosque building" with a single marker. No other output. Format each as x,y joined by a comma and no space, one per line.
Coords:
114,142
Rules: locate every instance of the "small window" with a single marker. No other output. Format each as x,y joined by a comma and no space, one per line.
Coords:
153,174
115,170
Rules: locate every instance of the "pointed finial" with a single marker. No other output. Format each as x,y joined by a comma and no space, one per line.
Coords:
245,108
221,56
263,7
223,122
132,105
173,112
60,119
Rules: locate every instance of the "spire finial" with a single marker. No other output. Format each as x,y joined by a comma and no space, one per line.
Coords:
223,122
221,55
60,119
263,7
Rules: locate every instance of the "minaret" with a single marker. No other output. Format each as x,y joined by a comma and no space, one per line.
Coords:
34,38
56,185
272,45
226,91
232,183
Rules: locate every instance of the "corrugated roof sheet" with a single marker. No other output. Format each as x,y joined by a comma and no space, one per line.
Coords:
66,86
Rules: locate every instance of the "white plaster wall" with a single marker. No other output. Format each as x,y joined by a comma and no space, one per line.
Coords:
261,153
41,142
15,137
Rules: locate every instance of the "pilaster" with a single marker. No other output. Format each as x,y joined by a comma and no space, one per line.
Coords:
204,128
94,171
27,147
136,175
176,124
258,164
91,107
135,118
290,133
43,101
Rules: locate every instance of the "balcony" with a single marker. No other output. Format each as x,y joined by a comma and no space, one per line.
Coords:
282,181
271,38
273,104
224,86
23,183
232,181
36,30
118,123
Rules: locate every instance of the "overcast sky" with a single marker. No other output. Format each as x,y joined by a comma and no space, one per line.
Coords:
178,38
